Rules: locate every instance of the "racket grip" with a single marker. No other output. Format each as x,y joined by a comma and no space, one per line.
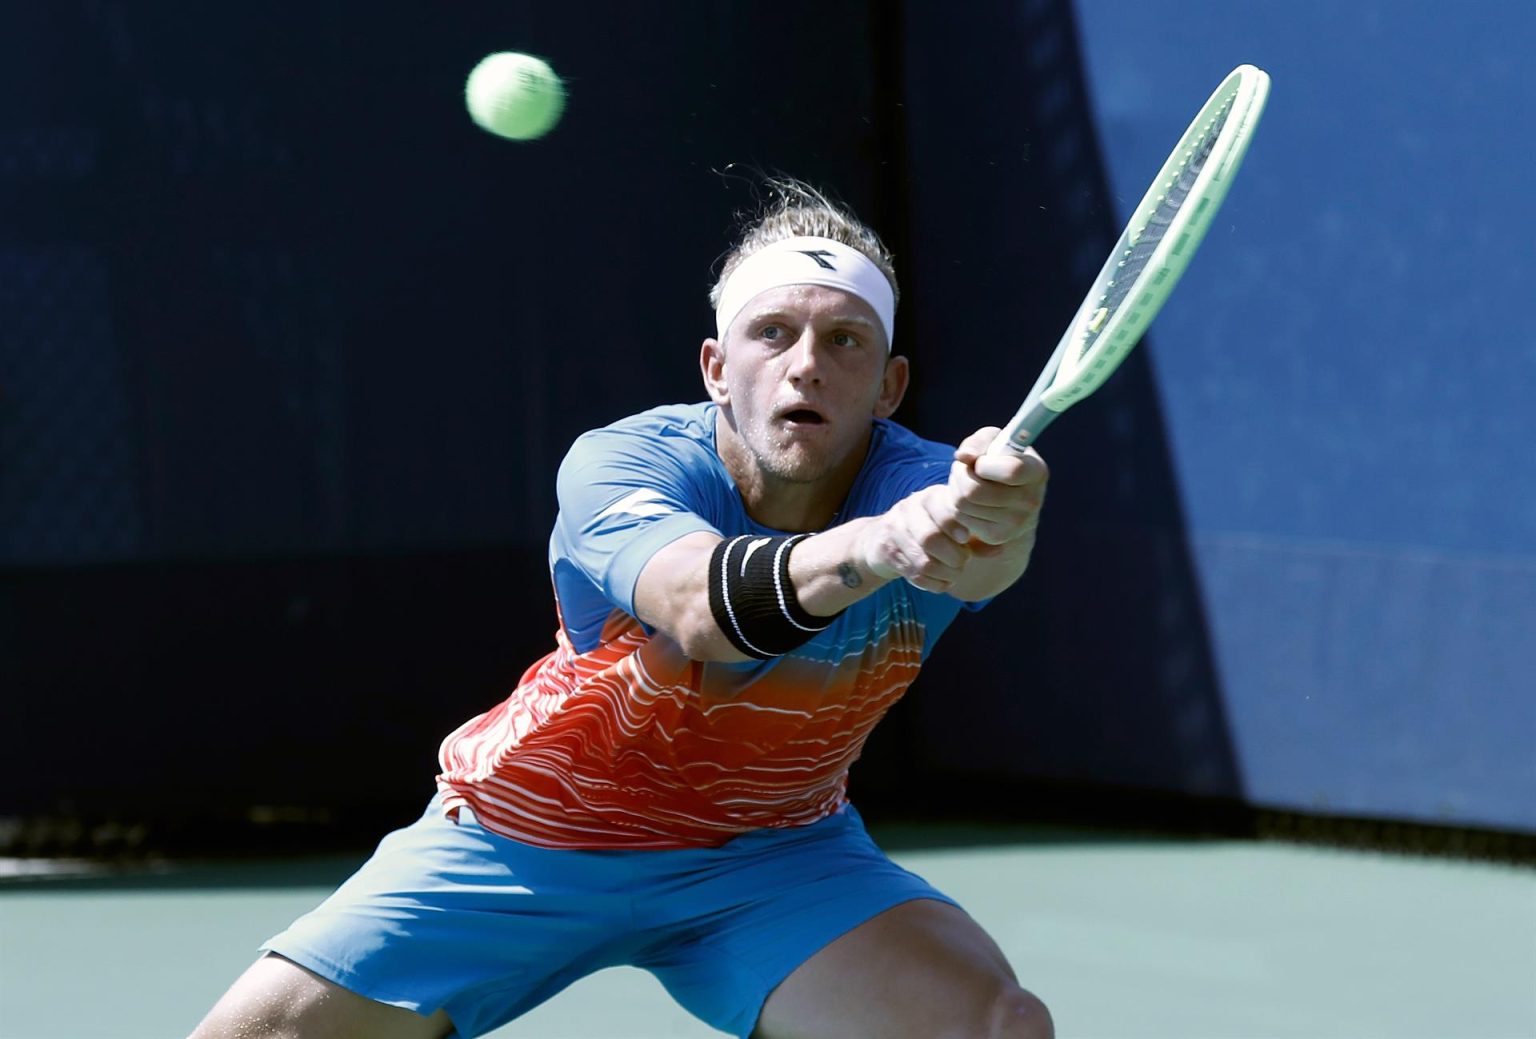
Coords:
1022,429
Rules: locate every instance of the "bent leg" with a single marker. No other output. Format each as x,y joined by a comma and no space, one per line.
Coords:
922,970
278,999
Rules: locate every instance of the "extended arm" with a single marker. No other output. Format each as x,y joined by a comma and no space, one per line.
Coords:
970,538
829,571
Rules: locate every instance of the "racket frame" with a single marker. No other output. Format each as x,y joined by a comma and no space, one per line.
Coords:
1073,372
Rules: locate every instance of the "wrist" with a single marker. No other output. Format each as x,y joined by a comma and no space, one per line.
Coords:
873,556
832,571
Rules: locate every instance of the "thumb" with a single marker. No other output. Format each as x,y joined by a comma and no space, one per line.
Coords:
975,445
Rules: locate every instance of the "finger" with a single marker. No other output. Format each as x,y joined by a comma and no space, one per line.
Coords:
940,511
971,492
941,569
923,566
929,584
979,550
1013,470
975,445
1004,529
998,524
942,549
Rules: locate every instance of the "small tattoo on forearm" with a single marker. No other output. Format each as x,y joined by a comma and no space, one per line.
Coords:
850,575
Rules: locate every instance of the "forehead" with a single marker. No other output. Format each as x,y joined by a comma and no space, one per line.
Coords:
811,302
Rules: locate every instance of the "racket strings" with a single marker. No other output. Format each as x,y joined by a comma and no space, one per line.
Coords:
1164,231
1143,242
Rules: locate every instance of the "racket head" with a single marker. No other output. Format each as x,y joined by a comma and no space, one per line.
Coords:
1160,238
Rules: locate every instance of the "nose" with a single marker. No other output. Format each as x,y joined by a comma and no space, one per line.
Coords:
805,359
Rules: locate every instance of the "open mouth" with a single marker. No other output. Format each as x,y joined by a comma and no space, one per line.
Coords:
803,416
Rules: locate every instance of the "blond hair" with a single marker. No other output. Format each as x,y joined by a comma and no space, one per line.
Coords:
794,209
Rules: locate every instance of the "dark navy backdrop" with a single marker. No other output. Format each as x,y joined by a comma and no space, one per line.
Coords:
289,351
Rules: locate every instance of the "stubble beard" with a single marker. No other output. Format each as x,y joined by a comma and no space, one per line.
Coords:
765,456
786,461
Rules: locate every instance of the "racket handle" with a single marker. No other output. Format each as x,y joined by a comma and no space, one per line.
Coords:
1022,429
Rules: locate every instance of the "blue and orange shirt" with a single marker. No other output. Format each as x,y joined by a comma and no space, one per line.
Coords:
616,739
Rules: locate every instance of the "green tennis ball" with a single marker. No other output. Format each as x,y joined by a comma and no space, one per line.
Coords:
514,95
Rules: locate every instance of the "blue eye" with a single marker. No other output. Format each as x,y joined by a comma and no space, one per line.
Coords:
770,332
844,339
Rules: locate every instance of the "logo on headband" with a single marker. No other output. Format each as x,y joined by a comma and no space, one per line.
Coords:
818,255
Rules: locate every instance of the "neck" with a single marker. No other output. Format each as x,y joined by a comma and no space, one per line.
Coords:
783,504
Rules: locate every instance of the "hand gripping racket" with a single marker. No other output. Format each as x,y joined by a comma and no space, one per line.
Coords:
1153,251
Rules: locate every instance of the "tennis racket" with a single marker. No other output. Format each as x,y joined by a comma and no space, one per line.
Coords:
1153,251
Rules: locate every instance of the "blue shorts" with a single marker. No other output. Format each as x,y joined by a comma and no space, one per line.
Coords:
447,915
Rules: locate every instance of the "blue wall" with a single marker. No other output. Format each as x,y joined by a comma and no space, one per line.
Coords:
1347,389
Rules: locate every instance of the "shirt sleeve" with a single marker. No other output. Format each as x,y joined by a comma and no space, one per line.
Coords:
624,495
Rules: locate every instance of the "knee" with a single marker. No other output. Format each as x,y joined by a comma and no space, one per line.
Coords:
1017,1014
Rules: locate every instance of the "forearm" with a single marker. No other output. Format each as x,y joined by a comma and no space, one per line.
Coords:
832,570
828,573
672,596
970,538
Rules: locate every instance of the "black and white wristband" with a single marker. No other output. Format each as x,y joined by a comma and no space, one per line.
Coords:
753,600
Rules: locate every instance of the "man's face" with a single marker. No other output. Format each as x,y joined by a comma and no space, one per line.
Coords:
803,370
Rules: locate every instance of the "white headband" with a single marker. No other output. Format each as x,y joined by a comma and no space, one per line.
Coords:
807,261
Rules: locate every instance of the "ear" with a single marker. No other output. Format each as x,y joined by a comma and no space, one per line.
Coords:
893,386
712,367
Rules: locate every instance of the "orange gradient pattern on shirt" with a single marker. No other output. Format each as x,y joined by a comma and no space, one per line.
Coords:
633,745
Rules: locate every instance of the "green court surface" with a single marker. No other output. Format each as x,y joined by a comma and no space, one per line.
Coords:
1122,938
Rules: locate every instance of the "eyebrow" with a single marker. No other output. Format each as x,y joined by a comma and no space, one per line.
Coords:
757,317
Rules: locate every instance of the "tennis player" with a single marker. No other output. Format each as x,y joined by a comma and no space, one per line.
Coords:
744,586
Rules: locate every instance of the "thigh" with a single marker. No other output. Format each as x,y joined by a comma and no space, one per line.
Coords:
922,969
447,916
734,922
277,999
